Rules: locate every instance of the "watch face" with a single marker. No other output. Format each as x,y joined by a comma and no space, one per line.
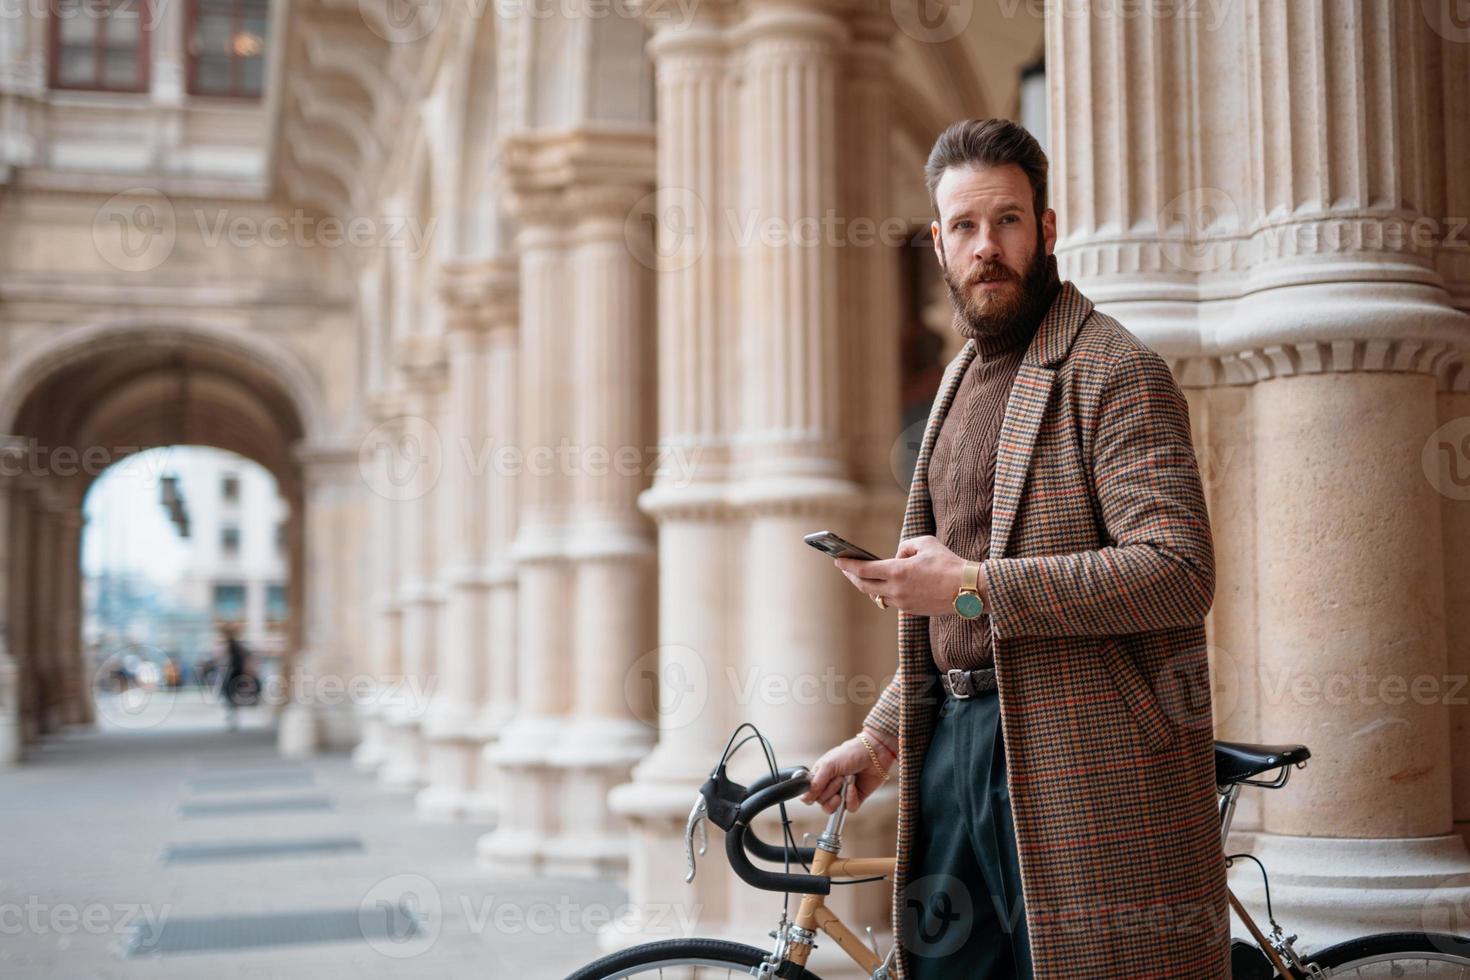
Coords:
968,605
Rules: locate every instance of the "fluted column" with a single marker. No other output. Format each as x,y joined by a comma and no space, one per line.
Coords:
420,460
499,487
698,574
1317,359
611,541
320,715
385,544
545,594
452,727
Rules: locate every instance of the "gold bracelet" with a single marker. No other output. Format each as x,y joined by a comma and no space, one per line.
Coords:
872,754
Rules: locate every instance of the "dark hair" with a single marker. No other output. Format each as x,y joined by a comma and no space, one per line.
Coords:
988,143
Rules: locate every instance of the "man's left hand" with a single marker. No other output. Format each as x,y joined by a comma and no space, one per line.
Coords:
922,579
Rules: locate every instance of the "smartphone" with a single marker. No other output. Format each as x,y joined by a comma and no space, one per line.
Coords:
835,546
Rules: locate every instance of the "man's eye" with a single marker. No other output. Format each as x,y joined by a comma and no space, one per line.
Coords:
1009,219
962,225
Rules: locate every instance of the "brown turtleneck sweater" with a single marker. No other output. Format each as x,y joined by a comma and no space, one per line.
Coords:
962,470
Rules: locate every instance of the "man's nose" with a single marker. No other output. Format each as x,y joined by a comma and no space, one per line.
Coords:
987,249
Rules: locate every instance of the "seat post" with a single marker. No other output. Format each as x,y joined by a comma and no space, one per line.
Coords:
1227,810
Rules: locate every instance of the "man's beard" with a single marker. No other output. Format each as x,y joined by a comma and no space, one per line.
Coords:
992,314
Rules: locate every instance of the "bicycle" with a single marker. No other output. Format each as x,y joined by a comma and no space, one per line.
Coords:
734,808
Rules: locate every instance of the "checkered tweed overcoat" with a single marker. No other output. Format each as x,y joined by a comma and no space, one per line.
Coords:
1101,572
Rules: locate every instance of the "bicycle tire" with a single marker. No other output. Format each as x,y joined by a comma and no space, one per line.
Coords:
1385,948
669,953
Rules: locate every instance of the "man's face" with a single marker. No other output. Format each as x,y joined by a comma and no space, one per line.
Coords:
990,248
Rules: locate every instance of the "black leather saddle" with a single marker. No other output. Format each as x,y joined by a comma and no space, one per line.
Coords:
1235,761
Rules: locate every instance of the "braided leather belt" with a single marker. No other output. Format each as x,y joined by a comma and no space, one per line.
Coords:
967,683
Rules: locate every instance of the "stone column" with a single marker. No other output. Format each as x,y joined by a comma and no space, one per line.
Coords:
545,599
610,543
11,743
698,576
321,715
1315,242
452,726
499,487
76,705
385,651
790,469
419,462
46,632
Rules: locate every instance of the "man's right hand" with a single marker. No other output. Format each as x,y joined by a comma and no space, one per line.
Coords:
849,759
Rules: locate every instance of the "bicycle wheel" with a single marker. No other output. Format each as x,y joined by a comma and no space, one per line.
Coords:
1397,954
686,959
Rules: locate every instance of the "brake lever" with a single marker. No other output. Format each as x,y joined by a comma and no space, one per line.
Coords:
696,819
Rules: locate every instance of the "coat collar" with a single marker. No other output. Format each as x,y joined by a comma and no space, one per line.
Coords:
1025,409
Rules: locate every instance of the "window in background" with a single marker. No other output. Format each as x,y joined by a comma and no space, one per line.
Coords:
229,602
226,47
275,603
100,45
229,487
229,540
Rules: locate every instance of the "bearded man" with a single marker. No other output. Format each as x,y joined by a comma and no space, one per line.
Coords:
1050,716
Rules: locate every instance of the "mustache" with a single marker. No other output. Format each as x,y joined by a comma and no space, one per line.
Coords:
991,272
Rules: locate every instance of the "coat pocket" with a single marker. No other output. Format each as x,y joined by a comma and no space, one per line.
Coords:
1153,723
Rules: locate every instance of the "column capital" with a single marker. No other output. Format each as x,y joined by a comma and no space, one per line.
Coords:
422,363
793,20
480,296
541,168
327,464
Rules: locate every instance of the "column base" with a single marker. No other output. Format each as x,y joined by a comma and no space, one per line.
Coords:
522,840
306,729
451,763
372,751
11,744
403,757
595,756
1328,889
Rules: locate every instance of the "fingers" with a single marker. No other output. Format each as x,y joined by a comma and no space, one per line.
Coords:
869,571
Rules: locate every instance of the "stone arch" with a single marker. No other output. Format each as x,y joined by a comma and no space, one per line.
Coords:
74,405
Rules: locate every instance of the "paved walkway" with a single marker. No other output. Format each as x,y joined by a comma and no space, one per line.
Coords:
130,852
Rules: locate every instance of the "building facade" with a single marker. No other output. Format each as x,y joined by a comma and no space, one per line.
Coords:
559,326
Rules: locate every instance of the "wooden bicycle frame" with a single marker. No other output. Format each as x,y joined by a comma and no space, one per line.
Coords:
813,915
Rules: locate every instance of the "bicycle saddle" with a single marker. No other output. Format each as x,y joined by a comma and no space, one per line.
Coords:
1235,761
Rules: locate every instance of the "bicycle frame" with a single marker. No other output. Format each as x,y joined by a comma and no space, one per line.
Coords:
796,941
813,915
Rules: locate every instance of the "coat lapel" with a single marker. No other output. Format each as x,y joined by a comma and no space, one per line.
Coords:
1026,408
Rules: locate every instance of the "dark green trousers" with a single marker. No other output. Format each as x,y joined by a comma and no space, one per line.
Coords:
963,914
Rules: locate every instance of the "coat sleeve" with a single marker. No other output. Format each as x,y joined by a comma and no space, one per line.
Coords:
884,715
1158,570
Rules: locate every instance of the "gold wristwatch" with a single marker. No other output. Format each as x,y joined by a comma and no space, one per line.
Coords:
968,602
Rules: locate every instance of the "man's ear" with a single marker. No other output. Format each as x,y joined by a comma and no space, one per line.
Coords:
1049,230
938,242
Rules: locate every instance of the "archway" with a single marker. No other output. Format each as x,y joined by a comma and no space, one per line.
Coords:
94,397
